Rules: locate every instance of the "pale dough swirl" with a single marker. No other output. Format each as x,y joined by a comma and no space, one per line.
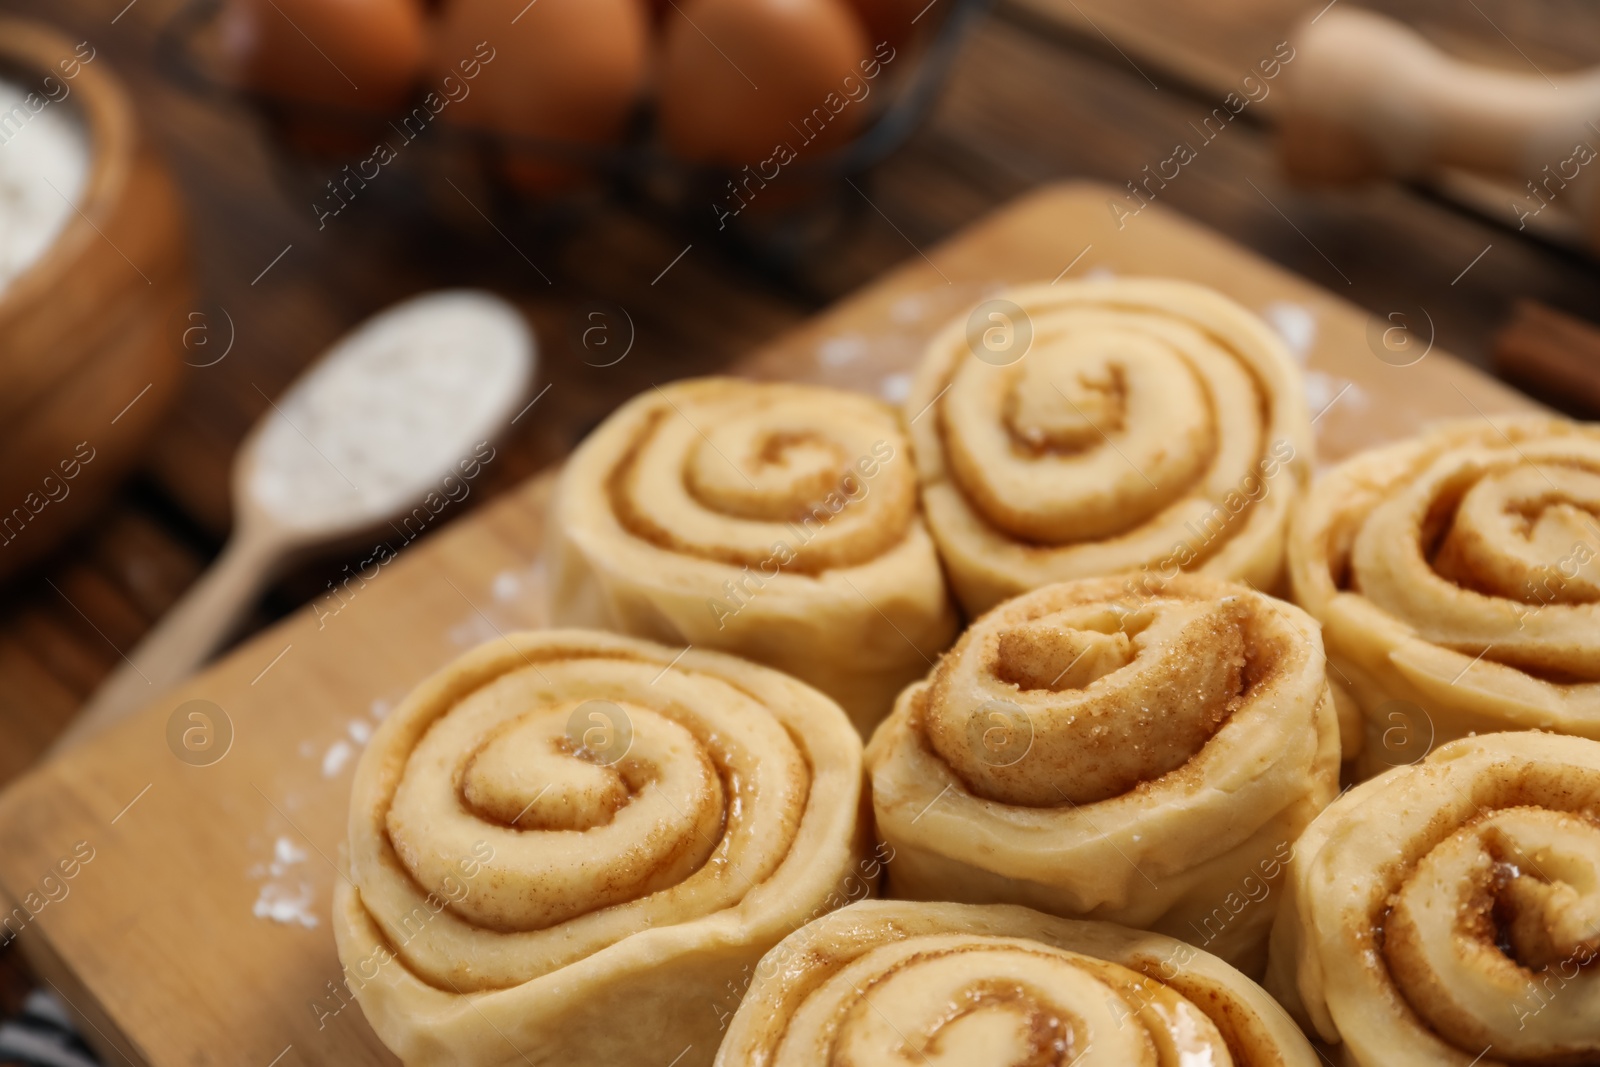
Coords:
562,824
779,522
888,982
1457,581
1149,424
1448,913
1139,753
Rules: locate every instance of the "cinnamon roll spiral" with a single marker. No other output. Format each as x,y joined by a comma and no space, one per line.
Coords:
1448,913
1090,428
1456,579
564,844
933,984
779,522
1128,749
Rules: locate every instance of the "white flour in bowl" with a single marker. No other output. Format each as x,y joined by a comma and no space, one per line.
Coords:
44,167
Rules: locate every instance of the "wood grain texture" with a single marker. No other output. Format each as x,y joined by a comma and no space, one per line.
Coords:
1213,44
1552,355
1026,104
86,373
159,925
1207,50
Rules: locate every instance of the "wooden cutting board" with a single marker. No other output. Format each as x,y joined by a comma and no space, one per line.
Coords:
197,930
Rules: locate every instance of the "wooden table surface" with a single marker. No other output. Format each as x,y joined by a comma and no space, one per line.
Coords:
187,855
1042,90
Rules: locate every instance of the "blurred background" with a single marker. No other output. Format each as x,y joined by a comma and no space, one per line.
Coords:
601,165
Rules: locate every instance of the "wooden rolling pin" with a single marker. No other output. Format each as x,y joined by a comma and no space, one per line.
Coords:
1367,97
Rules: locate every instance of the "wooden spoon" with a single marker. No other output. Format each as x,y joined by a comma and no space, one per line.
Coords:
402,406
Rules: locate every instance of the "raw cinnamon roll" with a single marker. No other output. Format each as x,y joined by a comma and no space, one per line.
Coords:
1448,913
775,521
1089,428
1455,576
893,982
1134,750
565,844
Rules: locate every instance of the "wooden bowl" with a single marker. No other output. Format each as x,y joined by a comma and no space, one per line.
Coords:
90,327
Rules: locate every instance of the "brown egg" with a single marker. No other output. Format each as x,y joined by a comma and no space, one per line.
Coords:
556,70
742,79
354,55
890,20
